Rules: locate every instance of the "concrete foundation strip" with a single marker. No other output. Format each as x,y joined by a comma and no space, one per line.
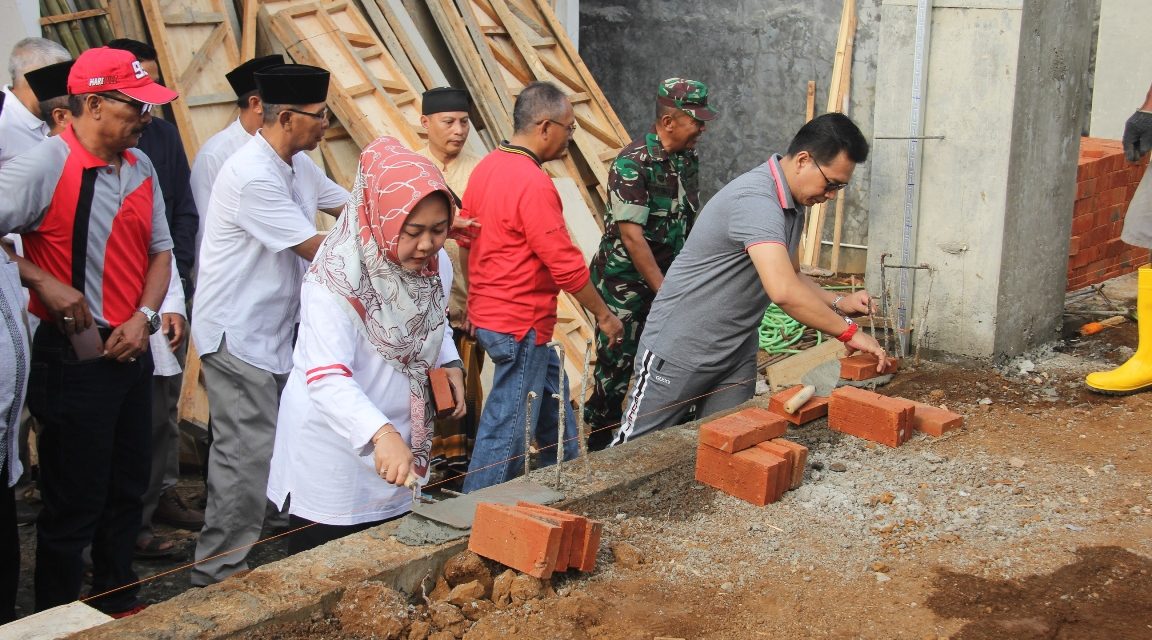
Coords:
296,587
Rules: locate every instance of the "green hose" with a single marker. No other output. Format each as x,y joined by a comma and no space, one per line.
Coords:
778,332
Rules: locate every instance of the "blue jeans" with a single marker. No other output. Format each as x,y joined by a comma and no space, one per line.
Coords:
521,366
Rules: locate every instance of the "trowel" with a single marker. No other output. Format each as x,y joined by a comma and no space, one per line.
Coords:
823,377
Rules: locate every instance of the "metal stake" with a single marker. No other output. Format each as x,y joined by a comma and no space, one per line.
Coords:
528,429
559,395
581,427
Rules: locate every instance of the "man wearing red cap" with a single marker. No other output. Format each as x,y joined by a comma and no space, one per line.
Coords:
98,259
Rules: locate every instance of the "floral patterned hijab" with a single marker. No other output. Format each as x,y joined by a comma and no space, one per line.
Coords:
401,312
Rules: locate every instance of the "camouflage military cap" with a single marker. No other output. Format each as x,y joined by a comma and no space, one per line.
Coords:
690,96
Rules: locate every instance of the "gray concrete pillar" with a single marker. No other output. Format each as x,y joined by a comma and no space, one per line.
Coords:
1005,87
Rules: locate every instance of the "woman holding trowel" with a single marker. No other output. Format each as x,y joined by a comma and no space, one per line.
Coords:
355,423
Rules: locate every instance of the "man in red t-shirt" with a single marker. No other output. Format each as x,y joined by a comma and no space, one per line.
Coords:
521,258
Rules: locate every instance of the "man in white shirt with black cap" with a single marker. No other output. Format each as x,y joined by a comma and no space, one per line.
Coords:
227,141
20,125
259,237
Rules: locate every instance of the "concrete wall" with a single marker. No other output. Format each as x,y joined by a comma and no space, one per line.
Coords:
1123,65
1006,82
21,20
756,57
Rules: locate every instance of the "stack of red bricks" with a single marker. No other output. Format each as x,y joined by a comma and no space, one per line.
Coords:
743,455
887,420
535,539
1105,183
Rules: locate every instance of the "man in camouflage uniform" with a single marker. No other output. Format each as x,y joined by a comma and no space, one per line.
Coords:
653,197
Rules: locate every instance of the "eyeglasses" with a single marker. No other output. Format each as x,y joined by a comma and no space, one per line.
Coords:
144,107
828,184
319,115
570,127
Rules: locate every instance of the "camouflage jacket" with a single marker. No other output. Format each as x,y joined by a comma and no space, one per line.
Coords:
654,189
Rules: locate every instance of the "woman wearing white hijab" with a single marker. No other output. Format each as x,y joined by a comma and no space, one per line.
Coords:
354,419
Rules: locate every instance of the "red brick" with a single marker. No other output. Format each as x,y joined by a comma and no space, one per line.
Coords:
783,471
749,474
862,366
1088,170
513,537
801,460
1081,223
1073,245
741,430
796,455
567,531
933,420
1085,188
579,526
871,416
1103,218
1083,207
815,408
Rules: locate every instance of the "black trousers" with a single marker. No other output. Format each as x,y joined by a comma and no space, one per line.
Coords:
9,549
315,534
95,459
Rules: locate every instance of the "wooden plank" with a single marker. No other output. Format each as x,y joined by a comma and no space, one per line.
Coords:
844,90
341,154
126,20
194,56
789,371
519,43
814,224
488,103
68,17
580,221
384,29
576,333
248,30
363,92
192,407
810,105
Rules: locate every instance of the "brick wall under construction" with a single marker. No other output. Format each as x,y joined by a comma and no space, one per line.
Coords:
1105,183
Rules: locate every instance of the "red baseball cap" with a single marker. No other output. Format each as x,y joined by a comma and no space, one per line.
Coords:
104,69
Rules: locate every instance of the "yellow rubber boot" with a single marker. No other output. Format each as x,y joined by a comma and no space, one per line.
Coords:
1136,374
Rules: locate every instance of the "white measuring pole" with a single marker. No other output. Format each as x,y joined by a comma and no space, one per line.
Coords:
915,159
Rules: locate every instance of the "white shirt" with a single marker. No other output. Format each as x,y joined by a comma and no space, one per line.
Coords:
209,159
248,286
324,455
164,361
20,129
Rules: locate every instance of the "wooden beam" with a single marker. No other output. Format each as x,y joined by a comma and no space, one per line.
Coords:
68,17
248,30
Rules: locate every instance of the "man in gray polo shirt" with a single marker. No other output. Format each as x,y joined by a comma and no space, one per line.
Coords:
699,345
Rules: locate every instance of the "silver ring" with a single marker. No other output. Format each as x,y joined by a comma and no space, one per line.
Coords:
69,319
131,359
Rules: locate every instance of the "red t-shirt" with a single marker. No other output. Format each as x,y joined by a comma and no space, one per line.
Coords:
522,257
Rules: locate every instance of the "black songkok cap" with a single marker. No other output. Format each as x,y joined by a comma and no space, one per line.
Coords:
241,78
443,99
292,84
51,81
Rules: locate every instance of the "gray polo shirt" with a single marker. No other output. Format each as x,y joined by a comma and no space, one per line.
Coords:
711,303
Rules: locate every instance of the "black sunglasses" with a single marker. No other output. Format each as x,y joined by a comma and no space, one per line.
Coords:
144,107
319,115
828,184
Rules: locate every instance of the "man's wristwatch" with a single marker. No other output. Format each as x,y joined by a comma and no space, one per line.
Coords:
153,319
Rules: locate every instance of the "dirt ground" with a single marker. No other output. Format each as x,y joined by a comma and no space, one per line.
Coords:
1034,521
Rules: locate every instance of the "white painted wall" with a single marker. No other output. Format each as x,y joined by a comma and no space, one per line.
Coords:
26,23
1123,65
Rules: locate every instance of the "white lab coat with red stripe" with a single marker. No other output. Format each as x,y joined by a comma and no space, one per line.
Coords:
339,394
